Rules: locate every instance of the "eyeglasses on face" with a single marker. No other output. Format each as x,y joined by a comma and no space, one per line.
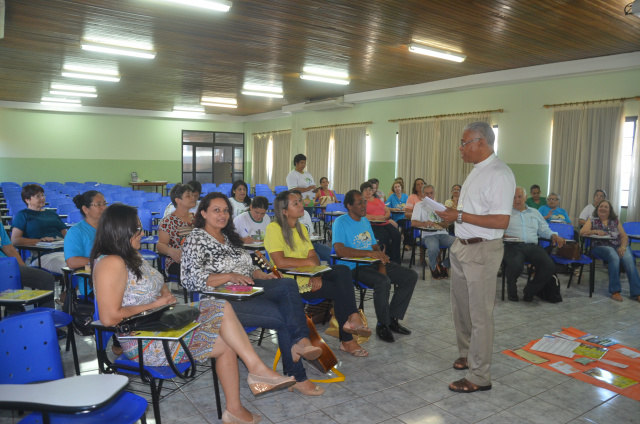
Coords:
464,143
39,196
102,204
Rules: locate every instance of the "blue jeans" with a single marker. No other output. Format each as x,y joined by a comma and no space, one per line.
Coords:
323,251
433,244
610,255
280,308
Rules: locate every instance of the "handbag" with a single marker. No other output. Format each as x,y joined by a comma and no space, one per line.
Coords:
325,200
167,317
569,251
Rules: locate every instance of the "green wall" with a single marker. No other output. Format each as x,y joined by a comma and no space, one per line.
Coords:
48,146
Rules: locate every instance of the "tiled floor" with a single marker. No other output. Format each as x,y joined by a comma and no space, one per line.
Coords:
406,382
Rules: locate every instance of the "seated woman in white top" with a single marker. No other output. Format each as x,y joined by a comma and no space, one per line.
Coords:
252,225
239,198
588,210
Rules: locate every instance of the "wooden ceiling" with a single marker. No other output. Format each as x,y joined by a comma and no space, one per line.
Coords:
204,53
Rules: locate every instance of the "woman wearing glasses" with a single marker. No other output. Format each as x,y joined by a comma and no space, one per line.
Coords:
79,240
34,224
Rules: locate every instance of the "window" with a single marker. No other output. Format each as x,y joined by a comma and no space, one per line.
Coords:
628,136
270,159
367,156
495,143
212,157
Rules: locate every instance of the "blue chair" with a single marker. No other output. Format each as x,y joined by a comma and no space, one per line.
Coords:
633,229
280,188
152,197
154,376
135,201
566,231
74,217
30,354
328,219
340,197
176,279
146,219
66,208
10,279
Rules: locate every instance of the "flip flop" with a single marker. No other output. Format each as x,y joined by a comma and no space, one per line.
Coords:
461,364
465,386
360,353
616,296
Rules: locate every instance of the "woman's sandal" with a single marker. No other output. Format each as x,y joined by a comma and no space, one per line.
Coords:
616,296
465,386
361,330
461,364
316,391
360,353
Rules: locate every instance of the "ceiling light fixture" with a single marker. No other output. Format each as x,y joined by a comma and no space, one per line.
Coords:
217,5
68,87
60,101
219,102
192,110
116,49
72,71
262,91
330,76
435,52
72,93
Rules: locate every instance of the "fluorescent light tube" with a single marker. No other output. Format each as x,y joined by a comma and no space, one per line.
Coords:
72,93
218,5
225,100
72,71
119,50
262,94
60,100
435,52
61,104
194,110
325,72
219,105
324,79
68,87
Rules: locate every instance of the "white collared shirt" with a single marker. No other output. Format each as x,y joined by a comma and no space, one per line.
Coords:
301,180
488,190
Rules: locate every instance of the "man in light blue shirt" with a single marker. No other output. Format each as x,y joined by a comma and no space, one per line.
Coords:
526,224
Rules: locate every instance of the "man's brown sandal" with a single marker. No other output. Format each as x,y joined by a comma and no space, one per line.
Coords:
465,386
461,364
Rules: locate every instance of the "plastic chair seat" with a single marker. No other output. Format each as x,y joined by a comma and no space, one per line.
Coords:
125,408
160,372
149,240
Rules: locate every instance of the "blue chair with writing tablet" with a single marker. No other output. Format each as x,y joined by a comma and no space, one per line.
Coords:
31,355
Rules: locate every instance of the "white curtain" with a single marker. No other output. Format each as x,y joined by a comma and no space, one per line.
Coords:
585,154
633,210
281,158
259,159
318,153
350,159
428,149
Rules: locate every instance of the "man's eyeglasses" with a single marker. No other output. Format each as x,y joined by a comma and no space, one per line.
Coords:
552,198
98,204
40,196
464,143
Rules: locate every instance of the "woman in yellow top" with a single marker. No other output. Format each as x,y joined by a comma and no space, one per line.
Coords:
289,246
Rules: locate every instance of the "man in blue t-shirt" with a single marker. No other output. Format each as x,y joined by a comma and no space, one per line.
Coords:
352,238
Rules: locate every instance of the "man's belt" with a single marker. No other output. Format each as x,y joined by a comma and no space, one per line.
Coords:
474,240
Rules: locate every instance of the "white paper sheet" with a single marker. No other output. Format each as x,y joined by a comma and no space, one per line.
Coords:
628,352
556,346
436,206
564,367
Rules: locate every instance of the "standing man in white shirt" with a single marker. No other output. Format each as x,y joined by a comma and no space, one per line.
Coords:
483,214
301,180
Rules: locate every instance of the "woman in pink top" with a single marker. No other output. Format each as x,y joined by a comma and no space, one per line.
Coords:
324,190
415,197
383,231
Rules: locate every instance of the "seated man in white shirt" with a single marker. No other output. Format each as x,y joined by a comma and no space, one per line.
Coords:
598,197
424,216
527,225
299,179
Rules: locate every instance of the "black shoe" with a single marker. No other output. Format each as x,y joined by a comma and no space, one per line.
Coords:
61,334
527,298
514,297
397,328
384,333
435,275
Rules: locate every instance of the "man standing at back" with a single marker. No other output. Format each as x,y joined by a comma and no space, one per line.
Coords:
299,179
483,213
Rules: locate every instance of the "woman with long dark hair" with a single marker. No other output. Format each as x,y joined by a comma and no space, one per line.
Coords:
125,285
288,244
240,200
213,255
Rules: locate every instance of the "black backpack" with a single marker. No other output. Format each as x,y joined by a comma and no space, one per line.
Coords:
551,291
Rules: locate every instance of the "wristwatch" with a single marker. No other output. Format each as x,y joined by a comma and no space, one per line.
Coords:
459,220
